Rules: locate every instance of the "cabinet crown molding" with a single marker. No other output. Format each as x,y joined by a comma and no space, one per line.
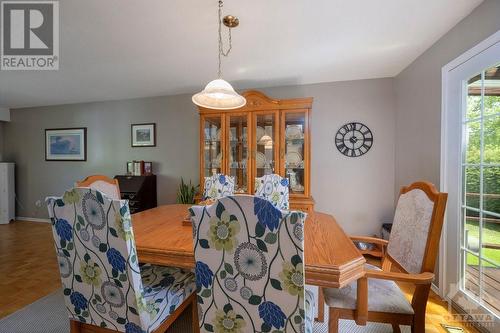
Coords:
257,100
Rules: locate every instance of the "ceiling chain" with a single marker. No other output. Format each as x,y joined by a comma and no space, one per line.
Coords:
221,46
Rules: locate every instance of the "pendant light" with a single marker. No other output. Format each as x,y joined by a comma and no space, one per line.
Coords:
219,94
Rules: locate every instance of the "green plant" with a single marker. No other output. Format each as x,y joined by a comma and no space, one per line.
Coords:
186,192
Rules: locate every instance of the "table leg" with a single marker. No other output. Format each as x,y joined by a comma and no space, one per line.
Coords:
321,305
361,314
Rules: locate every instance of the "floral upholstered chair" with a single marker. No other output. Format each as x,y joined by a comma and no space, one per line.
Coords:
102,281
250,267
218,186
273,188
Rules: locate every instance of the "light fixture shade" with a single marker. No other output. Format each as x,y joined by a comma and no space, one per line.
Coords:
220,95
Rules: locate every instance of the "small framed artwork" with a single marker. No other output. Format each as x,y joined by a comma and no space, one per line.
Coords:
144,135
66,144
130,168
148,168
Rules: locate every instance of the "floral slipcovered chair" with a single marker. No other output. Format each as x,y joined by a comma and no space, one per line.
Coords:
102,281
218,186
273,188
250,267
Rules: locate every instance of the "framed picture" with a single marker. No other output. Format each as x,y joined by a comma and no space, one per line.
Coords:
66,144
148,168
144,135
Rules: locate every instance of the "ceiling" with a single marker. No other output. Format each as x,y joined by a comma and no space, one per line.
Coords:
116,49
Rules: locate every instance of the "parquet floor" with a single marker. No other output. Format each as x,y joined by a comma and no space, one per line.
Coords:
28,271
28,266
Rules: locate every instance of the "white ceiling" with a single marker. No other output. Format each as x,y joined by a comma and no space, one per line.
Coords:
115,49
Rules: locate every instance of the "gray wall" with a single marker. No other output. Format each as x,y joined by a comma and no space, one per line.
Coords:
418,96
1,141
358,192
108,145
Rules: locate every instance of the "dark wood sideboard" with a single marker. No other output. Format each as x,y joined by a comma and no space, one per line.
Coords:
140,191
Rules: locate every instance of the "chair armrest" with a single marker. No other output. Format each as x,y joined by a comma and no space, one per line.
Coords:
380,245
371,240
422,278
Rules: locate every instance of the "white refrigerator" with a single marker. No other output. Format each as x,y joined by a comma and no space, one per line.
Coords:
7,195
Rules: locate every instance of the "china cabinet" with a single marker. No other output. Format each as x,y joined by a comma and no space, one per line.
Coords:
265,136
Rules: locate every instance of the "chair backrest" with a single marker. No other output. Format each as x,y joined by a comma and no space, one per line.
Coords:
103,184
416,230
97,259
218,186
273,188
249,262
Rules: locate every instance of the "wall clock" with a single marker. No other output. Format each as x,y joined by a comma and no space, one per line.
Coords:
354,139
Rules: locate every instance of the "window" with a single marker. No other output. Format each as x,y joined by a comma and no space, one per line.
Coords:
480,244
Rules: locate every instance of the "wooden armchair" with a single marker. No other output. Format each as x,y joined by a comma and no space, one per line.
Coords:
103,184
412,248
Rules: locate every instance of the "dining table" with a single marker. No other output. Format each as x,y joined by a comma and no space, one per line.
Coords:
162,237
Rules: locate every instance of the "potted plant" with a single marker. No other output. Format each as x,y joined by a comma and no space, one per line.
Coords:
186,193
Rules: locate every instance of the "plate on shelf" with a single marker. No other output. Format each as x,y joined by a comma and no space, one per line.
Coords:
291,147
293,158
294,132
297,188
217,135
260,160
259,132
218,161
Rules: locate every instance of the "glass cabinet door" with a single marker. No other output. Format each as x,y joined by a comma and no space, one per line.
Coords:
265,143
295,150
238,152
212,155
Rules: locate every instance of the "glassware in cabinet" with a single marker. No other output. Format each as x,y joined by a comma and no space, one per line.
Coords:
295,150
212,142
265,143
238,150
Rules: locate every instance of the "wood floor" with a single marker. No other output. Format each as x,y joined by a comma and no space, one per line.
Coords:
29,271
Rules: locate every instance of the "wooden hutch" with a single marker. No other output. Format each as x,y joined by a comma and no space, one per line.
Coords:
265,136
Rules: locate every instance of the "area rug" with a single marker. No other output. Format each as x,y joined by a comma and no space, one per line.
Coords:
48,315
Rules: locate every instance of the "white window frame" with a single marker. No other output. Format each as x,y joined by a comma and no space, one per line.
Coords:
451,155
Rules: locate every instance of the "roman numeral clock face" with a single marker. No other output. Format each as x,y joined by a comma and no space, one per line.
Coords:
354,139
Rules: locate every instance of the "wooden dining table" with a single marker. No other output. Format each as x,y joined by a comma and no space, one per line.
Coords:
331,259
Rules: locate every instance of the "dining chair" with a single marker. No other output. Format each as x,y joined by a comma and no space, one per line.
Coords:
105,289
250,267
412,248
273,188
103,184
218,186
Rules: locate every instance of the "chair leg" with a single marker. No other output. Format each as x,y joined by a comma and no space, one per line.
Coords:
194,315
333,321
419,304
74,326
418,324
321,306
395,328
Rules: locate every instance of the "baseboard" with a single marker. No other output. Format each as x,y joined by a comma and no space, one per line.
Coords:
32,219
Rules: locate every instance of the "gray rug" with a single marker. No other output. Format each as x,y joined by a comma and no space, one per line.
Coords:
48,315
